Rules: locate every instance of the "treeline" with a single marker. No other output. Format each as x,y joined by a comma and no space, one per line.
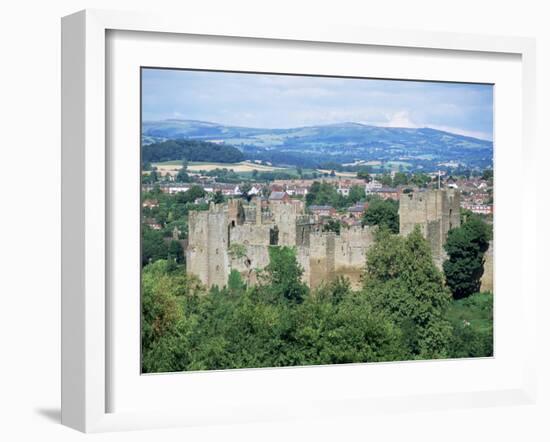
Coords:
190,150
403,311
325,193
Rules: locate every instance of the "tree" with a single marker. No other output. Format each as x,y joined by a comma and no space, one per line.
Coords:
356,194
235,283
325,194
466,246
383,213
182,176
245,189
420,179
175,252
332,225
194,193
402,282
386,179
153,246
400,179
218,197
284,274
165,329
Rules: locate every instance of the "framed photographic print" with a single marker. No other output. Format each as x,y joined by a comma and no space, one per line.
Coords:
269,223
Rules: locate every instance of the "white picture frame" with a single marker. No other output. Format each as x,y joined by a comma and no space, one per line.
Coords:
86,317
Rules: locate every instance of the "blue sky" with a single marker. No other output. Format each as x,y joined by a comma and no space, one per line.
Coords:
283,101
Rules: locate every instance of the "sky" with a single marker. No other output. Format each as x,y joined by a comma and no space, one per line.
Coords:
285,101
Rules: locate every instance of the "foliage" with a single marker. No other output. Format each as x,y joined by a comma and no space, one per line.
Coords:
237,250
284,274
190,150
153,246
218,197
325,193
383,213
402,282
466,246
472,320
356,194
403,312
332,225
238,327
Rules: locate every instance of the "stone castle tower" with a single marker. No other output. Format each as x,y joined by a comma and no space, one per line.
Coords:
435,211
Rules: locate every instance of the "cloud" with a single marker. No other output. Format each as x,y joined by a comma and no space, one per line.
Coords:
400,119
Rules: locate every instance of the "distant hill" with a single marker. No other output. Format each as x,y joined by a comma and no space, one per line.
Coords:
415,148
191,150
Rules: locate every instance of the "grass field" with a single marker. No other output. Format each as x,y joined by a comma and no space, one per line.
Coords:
342,174
243,166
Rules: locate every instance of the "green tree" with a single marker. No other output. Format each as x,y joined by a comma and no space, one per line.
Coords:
325,194
332,225
245,189
175,252
218,197
165,330
472,320
284,274
356,194
194,193
400,179
383,213
235,283
153,246
466,246
386,179
402,282
182,176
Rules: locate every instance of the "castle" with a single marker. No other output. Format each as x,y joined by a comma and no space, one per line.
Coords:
237,236
436,212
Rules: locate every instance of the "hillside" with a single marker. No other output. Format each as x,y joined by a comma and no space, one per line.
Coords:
191,150
415,148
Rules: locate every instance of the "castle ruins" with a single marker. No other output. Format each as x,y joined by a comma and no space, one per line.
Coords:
237,235
436,212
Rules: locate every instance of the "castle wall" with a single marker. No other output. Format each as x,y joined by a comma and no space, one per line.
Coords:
218,262
196,255
321,258
206,255
250,234
435,212
350,253
284,217
322,255
303,258
487,278
256,258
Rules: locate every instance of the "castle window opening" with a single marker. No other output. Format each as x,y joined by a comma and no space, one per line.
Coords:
274,236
